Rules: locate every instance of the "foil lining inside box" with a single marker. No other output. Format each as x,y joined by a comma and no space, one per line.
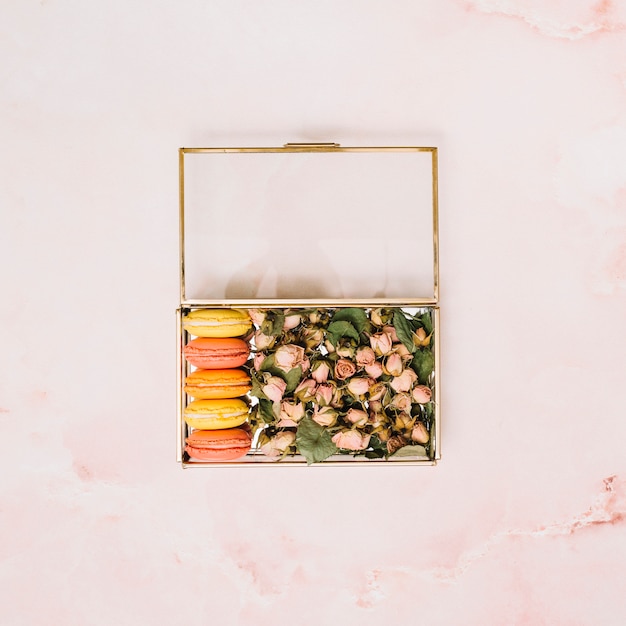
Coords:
333,253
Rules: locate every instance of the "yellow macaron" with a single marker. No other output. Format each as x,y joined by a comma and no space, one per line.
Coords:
215,414
217,322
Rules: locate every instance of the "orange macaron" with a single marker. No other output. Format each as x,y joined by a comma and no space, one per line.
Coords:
215,353
218,445
210,384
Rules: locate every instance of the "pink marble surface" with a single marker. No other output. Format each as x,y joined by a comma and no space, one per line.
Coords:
522,522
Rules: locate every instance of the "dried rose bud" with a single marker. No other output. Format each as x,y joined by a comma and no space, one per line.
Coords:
324,393
263,341
419,434
377,391
277,445
381,343
344,368
291,321
351,440
324,416
391,330
320,371
375,370
357,417
402,402
380,317
422,394
404,353
420,338
257,316
305,391
312,337
274,388
395,443
289,356
259,357
345,349
358,387
393,365
405,381
290,413
403,421
329,347
365,356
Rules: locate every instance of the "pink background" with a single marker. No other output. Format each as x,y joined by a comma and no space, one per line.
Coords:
522,522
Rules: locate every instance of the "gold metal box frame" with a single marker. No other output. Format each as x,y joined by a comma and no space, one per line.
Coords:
257,458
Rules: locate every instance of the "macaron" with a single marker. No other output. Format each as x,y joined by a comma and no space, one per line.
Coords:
206,384
217,322
212,353
218,445
216,414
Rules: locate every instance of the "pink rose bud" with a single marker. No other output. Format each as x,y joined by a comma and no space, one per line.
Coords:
422,394
357,417
278,444
404,353
274,388
420,338
315,317
375,370
419,434
393,364
291,321
405,381
351,440
289,356
290,413
329,347
324,416
263,341
365,356
324,394
320,371
377,391
305,364
402,402
379,317
358,387
392,331
305,391
257,316
381,343
259,357
344,368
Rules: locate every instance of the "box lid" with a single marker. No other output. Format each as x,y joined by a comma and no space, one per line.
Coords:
309,222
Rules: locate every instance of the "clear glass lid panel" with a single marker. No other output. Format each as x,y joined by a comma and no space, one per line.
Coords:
308,225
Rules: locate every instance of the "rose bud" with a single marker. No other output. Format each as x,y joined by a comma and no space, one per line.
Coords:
289,356
291,321
420,338
402,402
393,364
320,371
419,434
337,399
404,352
345,349
259,357
392,332
324,416
312,337
329,347
290,413
405,381
263,341
365,356
403,421
315,317
380,317
324,394
375,370
274,388
395,443
344,368
383,435
277,445
381,343
351,440
305,391
257,316
422,394
357,417
358,387
377,391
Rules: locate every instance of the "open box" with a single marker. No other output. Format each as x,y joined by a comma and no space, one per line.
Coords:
329,235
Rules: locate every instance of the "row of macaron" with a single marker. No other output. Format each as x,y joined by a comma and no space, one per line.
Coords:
218,412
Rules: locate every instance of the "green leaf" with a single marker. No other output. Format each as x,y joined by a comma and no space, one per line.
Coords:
314,441
427,322
403,329
266,411
292,378
408,451
423,363
357,317
338,330
256,390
